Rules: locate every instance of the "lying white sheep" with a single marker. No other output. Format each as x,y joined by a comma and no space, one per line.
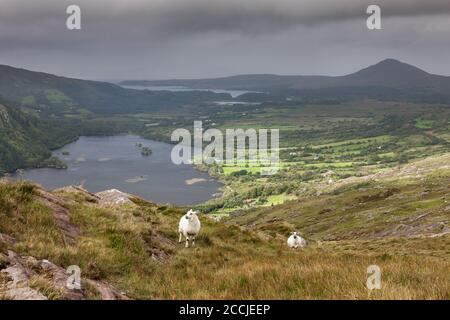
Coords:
189,227
295,241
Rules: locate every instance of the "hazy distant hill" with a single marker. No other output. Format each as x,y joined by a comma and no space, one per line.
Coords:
50,94
388,77
53,94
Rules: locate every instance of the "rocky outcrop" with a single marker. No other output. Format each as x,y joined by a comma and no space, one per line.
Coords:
77,190
4,116
27,278
59,208
114,197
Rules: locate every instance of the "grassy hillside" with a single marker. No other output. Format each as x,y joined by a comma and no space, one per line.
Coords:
408,201
133,248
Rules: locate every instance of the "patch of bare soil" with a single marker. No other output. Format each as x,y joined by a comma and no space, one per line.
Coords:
159,247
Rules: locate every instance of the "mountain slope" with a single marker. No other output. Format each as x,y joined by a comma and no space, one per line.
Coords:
132,250
407,201
25,140
396,74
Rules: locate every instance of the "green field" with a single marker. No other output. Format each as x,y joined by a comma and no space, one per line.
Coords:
318,149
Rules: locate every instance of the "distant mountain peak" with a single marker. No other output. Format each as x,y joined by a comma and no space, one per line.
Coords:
390,73
390,61
393,66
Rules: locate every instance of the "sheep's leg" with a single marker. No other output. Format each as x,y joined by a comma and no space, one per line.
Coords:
193,241
181,237
187,241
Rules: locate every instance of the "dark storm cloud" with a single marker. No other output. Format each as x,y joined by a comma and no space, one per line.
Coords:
173,32
182,17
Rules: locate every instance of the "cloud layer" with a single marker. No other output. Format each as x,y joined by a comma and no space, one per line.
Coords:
165,38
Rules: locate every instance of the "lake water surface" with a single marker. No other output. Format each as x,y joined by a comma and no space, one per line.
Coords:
233,93
100,163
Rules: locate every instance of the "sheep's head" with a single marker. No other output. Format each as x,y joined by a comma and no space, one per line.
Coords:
295,234
191,215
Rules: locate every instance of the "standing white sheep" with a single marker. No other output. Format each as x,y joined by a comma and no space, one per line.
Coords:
189,227
295,241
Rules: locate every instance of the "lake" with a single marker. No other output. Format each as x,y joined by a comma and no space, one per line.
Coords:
100,163
233,93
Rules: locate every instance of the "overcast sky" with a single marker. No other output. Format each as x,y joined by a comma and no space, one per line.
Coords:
160,39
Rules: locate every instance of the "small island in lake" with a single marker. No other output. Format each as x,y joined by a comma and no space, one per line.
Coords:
54,163
145,151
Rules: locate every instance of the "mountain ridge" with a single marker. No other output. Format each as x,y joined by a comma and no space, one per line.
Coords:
386,73
52,94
